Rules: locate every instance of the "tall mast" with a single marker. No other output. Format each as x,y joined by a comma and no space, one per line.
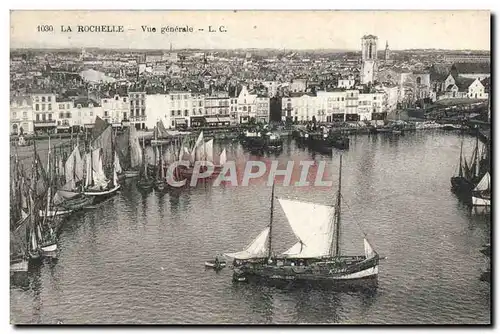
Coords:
460,172
477,154
269,246
337,212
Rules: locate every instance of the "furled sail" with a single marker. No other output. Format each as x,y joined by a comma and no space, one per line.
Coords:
209,150
257,249
312,225
484,184
223,157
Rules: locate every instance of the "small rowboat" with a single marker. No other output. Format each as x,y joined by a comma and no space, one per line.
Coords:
212,264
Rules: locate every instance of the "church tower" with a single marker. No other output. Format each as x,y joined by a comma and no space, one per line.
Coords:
368,59
387,53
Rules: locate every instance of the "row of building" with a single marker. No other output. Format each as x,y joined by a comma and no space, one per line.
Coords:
46,112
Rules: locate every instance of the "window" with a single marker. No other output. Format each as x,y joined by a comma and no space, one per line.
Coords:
43,107
185,112
38,117
78,105
49,106
14,115
124,115
37,99
91,113
249,109
104,101
143,112
124,99
171,97
61,115
374,97
43,117
173,123
68,115
105,114
43,98
61,106
50,117
49,98
200,111
199,104
117,98
178,112
172,113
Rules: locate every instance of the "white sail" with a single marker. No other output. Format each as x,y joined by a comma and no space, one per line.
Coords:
484,184
97,169
135,148
195,150
209,150
88,169
312,225
369,252
118,167
257,249
223,157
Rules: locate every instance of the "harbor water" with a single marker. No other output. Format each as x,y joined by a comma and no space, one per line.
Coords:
139,258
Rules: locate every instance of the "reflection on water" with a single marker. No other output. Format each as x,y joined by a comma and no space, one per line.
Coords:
139,257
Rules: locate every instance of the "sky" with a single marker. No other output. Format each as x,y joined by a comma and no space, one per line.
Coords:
257,29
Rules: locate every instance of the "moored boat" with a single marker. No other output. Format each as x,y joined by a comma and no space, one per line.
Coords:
481,195
315,258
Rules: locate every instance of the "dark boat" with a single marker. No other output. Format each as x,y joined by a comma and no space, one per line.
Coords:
145,182
316,258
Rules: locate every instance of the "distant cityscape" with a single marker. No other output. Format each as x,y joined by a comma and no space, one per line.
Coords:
55,91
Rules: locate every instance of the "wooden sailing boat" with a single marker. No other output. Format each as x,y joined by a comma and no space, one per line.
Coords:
145,182
460,184
99,161
481,195
315,258
160,170
129,152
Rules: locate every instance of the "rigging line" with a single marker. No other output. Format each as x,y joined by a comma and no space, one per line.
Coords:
352,213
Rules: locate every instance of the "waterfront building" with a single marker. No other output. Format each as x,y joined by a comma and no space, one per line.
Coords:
247,107
85,113
45,112
463,88
21,115
263,109
137,110
65,120
115,109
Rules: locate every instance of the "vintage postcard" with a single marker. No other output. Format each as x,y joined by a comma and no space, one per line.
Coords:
250,167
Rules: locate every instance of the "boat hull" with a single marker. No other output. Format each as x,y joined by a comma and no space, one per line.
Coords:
130,173
212,264
479,201
54,213
102,193
19,266
49,248
352,274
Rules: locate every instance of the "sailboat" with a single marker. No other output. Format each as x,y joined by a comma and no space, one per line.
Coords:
460,184
160,170
145,182
19,257
481,195
129,152
96,183
315,258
